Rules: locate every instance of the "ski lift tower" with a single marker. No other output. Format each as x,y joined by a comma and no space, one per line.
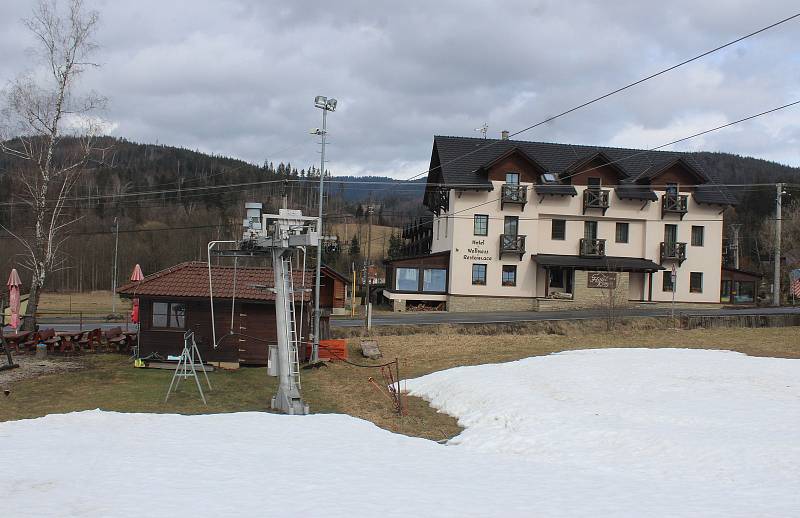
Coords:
280,236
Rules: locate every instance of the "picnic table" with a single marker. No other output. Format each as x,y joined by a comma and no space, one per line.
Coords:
69,341
15,339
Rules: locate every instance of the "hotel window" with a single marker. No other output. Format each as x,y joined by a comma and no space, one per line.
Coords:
666,283
594,183
622,232
672,189
512,178
481,225
509,275
696,282
698,235
169,315
406,279
434,279
558,230
479,274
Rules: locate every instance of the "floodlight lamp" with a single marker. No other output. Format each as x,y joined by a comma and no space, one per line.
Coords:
320,101
331,105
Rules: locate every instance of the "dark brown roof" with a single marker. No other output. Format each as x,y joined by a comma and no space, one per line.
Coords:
460,162
610,263
190,280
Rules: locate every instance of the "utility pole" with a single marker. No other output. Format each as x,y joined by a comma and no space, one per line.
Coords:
735,245
367,262
776,286
114,273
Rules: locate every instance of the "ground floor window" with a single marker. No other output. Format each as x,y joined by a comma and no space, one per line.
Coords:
725,291
434,279
556,278
406,279
666,282
696,282
509,275
479,274
169,315
745,292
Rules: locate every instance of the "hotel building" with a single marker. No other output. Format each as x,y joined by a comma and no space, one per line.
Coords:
519,225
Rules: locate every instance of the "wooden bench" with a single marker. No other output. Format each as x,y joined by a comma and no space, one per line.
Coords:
15,340
48,337
69,342
116,338
90,340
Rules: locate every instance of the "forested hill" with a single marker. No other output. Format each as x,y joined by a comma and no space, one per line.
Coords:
171,201
756,203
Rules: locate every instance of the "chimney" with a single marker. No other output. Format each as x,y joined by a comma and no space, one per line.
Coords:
504,135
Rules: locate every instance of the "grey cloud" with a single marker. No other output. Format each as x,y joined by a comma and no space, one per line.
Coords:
239,77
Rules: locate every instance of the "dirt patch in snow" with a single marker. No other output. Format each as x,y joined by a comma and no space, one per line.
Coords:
30,367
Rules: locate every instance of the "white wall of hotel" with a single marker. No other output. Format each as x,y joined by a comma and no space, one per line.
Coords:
453,231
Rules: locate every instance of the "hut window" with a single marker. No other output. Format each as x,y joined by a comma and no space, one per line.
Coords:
169,315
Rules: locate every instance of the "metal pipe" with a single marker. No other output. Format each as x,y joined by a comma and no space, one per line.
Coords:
211,245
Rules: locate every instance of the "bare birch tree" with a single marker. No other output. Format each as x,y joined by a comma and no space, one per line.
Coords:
50,128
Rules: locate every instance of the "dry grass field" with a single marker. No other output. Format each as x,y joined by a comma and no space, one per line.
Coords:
111,383
95,303
380,236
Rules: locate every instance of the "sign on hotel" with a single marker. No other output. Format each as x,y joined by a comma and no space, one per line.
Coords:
602,280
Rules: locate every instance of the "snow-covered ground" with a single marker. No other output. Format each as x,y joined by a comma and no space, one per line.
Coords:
620,432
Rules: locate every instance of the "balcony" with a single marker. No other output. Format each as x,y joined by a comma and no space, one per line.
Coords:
513,193
595,199
512,244
674,204
673,252
593,247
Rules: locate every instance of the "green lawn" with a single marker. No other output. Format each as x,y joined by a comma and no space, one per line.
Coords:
110,382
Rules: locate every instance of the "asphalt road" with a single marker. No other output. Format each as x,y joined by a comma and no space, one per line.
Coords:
432,318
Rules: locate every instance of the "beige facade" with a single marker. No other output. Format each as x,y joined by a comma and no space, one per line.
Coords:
454,231
631,228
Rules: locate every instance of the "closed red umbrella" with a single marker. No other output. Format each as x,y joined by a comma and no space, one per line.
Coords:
136,276
13,297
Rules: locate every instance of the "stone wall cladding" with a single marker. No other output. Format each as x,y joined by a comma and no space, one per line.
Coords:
466,303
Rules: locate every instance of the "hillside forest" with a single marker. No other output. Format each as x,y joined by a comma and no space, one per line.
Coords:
169,202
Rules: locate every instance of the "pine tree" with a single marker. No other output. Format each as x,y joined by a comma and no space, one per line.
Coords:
355,248
395,246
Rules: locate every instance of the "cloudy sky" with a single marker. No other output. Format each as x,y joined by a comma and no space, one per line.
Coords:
238,77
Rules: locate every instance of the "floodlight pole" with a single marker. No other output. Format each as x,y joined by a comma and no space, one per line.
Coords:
114,273
325,105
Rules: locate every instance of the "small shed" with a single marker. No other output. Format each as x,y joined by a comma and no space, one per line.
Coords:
739,286
177,299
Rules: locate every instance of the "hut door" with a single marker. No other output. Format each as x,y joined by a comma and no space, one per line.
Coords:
254,325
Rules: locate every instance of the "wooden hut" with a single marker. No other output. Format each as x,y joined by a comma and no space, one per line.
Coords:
176,299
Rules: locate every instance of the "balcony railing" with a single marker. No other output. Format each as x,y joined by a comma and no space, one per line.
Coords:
512,244
674,204
595,199
593,247
673,252
513,193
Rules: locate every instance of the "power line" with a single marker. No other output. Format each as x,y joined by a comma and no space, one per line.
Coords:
743,119
616,91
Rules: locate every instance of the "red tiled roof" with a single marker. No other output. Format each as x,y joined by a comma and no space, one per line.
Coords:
190,280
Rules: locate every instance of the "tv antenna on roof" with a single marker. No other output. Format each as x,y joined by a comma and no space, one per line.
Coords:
483,129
